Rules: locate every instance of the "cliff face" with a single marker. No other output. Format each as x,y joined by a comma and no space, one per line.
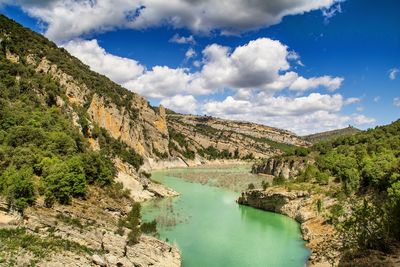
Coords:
301,206
286,167
145,134
242,138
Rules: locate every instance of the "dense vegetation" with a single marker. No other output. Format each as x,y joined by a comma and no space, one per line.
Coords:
41,152
366,166
23,42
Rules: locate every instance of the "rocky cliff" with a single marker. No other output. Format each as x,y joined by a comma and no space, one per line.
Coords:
321,237
234,139
288,167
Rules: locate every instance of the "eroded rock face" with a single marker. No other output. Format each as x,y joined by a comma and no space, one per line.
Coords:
301,206
145,134
288,168
243,137
76,93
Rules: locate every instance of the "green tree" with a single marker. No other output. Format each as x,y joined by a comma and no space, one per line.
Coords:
18,187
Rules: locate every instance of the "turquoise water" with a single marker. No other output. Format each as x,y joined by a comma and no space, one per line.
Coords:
211,229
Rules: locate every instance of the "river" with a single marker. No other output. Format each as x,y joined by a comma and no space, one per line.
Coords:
211,229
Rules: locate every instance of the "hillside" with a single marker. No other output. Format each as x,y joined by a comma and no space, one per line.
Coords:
213,138
352,185
61,197
330,135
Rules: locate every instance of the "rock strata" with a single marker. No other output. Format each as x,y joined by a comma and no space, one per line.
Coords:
288,168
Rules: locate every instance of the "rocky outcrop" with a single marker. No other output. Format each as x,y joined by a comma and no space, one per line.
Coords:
286,167
146,132
140,187
301,206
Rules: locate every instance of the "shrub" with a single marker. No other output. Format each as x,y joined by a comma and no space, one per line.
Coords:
149,227
265,185
62,180
251,186
279,180
98,168
18,187
133,224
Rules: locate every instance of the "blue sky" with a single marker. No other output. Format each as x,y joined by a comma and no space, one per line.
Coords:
305,66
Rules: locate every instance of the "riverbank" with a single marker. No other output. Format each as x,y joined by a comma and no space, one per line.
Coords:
321,237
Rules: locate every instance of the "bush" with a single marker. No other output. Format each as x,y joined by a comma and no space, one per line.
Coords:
98,168
265,185
279,180
133,224
18,187
322,178
251,186
149,227
62,180
365,228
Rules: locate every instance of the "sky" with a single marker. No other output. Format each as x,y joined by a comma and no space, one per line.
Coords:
302,65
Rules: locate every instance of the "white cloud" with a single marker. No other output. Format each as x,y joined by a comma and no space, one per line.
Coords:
331,83
352,100
118,69
303,115
362,120
182,39
181,103
393,73
331,11
262,64
377,98
360,108
396,102
190,53
68,19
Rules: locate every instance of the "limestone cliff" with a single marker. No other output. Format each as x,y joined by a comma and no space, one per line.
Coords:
236,138
288,167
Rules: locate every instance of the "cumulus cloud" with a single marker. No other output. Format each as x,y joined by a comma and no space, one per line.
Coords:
181,103
190,53
182,39
64,18
331,83
362,120
118,69
303,115
393,73
260,65
162,81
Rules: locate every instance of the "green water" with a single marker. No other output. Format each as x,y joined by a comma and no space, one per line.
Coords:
211,229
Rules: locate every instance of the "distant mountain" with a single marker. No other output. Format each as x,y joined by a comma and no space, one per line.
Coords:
329,135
